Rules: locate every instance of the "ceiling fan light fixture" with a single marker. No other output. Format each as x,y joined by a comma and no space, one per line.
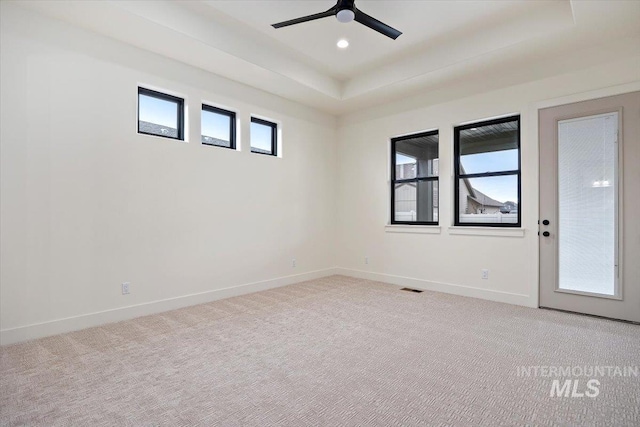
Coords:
345,15
345,11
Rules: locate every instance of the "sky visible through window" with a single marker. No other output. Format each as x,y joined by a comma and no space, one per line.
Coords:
500,188
215,125
158,111
261,136
401,159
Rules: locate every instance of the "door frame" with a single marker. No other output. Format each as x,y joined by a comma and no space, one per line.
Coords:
533,121
619,200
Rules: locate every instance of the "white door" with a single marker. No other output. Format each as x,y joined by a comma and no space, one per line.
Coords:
590,207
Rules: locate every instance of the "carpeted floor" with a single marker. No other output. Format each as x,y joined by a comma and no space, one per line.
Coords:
336,351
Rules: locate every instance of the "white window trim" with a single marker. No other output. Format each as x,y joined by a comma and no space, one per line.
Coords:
415,229
487,231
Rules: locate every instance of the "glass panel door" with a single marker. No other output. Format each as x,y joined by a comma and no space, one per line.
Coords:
587,204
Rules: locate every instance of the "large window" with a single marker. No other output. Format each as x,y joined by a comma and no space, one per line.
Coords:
414,179
264,137
487,173
218,127
160,114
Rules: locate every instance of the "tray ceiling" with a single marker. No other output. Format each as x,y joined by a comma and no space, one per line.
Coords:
442,42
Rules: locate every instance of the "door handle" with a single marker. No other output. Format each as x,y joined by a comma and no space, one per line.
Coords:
546,234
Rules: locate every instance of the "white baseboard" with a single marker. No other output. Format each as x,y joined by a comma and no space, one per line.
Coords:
69,324
467,291
83,321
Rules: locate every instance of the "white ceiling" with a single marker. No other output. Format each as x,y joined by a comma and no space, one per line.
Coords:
419,21
442,41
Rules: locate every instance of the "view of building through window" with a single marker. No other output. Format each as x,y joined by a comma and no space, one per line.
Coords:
415,181
263,136
488,172
218,127
159,114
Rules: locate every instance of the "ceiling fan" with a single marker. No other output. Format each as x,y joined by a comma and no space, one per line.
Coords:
346,11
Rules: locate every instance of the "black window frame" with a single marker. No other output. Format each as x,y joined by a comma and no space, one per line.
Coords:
458,176
165,97
274,136
232,125
395,181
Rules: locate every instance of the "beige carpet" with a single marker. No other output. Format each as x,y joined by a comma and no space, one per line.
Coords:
331,352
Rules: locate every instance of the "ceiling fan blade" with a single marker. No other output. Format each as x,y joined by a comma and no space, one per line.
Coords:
374,24
329,12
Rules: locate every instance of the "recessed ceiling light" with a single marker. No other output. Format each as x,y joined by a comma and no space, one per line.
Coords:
343,44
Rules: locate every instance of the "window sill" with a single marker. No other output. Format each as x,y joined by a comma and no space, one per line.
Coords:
155,135
487,231
416,229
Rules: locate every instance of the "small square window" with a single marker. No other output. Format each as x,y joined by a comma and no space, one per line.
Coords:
414,179
264,137
487,173
160,114
218,127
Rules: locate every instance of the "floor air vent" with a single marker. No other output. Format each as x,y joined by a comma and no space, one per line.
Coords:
411,290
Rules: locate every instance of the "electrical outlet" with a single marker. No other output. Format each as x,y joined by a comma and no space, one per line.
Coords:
485,274
293,263
125,288
366,260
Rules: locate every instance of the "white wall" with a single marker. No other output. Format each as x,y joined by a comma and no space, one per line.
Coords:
444,259
87,203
